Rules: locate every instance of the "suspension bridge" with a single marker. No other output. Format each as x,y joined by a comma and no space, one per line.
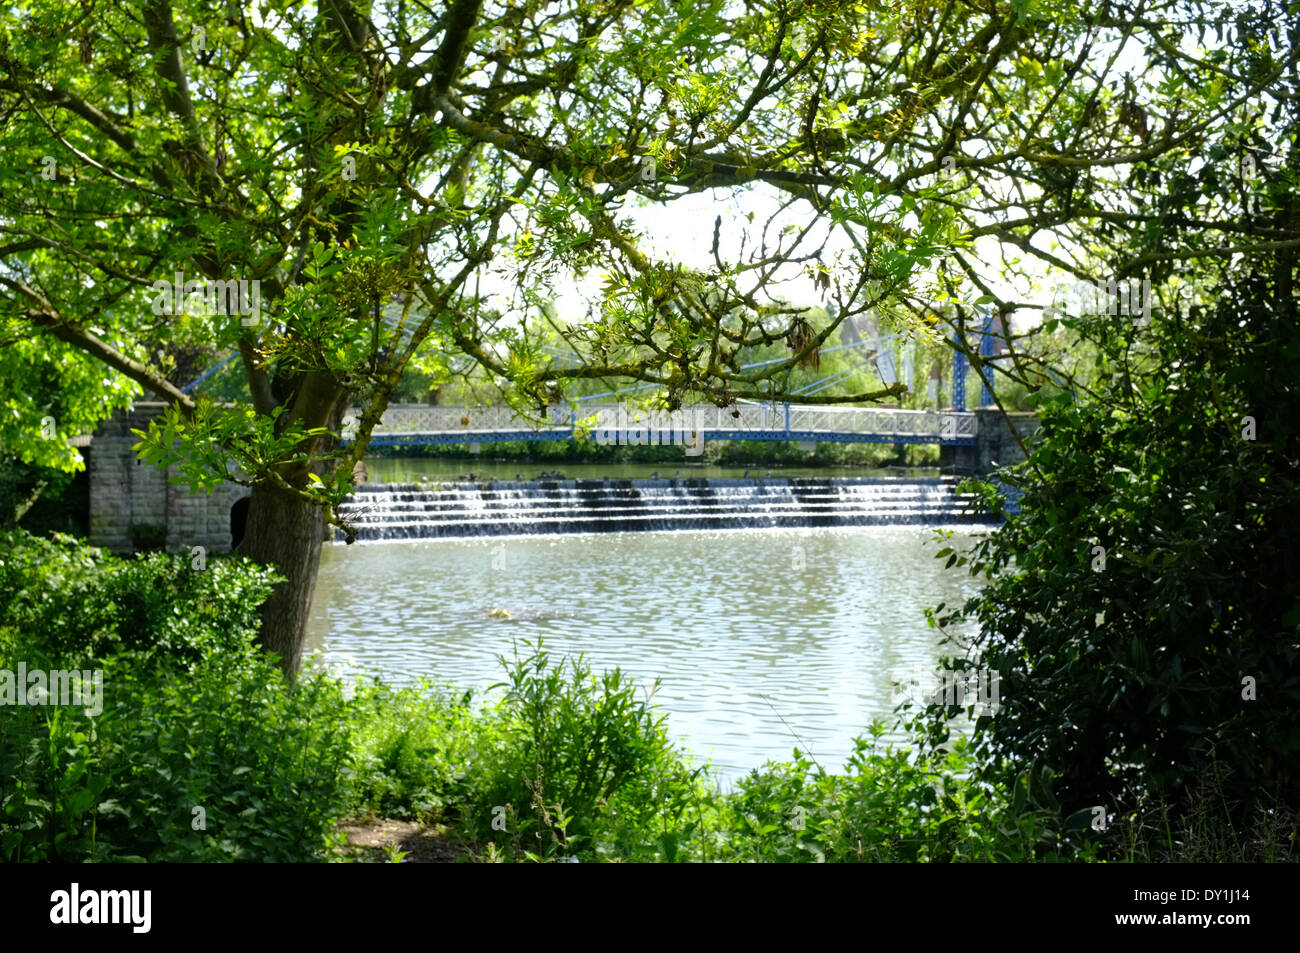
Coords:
602,415
420,425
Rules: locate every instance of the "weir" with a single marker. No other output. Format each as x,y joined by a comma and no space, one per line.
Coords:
134,507
383,511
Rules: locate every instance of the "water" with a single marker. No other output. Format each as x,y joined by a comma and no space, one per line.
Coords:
746,628
427,510
410,470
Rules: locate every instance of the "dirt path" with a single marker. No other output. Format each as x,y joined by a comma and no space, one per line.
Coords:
371,841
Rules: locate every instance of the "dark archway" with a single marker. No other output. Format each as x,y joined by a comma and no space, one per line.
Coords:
238,521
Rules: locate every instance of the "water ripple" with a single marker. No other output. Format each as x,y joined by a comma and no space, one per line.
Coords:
741,636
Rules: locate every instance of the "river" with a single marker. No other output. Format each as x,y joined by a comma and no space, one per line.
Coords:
412,469
764,639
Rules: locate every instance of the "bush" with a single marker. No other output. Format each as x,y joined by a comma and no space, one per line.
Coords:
584,766
1144,609
889,806
413,749
77,602
194,716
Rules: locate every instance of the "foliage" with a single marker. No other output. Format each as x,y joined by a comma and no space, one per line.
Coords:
194,716
889,805
56,393
583,761
413,749
158,606
1144,607
1144,610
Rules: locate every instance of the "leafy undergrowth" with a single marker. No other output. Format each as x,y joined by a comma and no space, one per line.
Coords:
202,752
570,766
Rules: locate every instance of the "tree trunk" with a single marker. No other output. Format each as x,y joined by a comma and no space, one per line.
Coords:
285,532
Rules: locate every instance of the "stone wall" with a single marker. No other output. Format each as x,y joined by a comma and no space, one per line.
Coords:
995,446
133,503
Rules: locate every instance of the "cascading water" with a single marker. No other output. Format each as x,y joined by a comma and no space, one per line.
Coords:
503,508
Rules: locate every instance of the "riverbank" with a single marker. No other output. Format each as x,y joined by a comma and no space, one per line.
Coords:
720,453
568,763
479,469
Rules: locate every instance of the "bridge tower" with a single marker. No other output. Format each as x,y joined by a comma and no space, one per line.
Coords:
988,347
958,380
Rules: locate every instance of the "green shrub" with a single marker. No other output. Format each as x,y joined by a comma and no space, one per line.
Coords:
75,601
584,766
194,716
889,805
1143,609
412,750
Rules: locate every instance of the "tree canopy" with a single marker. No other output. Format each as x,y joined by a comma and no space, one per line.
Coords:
335,189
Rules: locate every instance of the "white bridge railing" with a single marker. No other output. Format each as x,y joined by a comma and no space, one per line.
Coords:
406,419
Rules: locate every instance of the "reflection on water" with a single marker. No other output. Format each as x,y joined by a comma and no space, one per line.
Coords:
410,470
745,628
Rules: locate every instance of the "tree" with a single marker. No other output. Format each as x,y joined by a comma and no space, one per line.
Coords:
359,168
1143,609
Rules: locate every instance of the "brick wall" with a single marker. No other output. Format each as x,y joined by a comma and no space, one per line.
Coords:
129,498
